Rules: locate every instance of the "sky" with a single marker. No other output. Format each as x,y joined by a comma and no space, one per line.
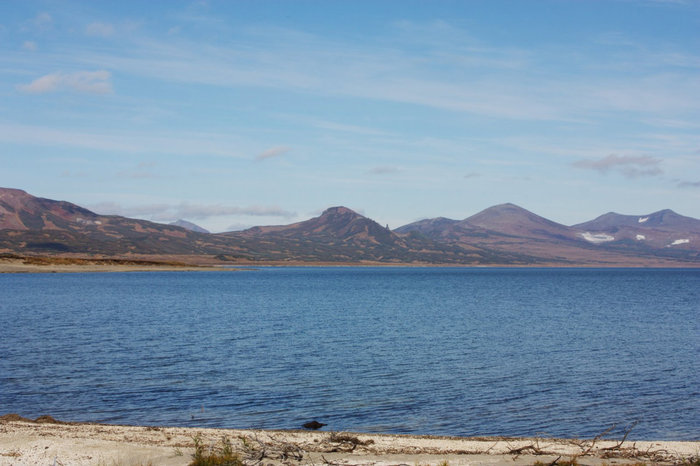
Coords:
237,113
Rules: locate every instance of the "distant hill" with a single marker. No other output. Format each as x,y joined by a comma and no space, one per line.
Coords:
188,226
662,229
31,224
512,220
501,235
342,234
611,238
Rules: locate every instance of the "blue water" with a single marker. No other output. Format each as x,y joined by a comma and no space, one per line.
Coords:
405,350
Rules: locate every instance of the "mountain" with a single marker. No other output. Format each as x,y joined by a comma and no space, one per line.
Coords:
342,234
512,220
333,225
508,228
188,226
431,227
664,219
662,229
504,228
503,220
31,224
501,235
21,211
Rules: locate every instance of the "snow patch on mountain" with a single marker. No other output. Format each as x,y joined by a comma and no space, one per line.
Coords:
597,238
84,221
643,219
679,241
641,237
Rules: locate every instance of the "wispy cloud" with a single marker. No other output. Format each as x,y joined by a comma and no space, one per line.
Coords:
29,45
73,174
631,166
90,82
273,152
688,184
472,175
133,142
142,171
98,29
347,128
169,212
383,170
238,227
396,72
41,22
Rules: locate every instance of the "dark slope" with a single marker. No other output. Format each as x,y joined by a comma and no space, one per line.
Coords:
501,235
340,234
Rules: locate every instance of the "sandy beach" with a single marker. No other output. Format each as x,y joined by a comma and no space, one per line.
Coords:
47,441
68,265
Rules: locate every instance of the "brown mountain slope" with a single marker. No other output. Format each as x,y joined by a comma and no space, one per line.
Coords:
508,228
31,224
664,229
22,211
342,234
501,235
512,220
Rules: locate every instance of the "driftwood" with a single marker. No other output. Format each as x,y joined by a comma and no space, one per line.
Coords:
254,451
627,432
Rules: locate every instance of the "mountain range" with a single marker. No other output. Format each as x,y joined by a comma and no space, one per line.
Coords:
501,235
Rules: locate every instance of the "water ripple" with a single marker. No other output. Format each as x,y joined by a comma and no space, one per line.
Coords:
422,351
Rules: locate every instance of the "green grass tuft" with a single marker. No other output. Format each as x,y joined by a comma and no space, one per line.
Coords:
216,455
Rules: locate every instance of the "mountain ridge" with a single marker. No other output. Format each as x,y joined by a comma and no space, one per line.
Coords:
505,234
189,226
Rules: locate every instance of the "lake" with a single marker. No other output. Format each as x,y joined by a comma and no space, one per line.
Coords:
444,351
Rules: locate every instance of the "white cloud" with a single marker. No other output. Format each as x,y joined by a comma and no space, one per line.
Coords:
90,82
238,227
142,171
132,142
273,152
136,174
30,45
471,78
186,210
632,166
346,128
98,29
47,83
383,170
73,174
41,21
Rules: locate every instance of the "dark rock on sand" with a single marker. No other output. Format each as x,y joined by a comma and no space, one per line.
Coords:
313,425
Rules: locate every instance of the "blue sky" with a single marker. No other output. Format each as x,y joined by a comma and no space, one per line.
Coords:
239,113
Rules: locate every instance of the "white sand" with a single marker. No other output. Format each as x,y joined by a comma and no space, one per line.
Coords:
25,443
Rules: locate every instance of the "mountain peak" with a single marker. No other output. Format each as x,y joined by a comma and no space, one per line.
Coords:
511,219
665,212
507,208
665,218
188,226
501,212
12,191
339,210
22,211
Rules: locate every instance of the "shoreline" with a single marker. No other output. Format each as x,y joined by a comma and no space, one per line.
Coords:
30,264
45,440
10,263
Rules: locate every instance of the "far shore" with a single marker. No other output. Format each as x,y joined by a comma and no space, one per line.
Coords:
13,263
31,264
48,441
